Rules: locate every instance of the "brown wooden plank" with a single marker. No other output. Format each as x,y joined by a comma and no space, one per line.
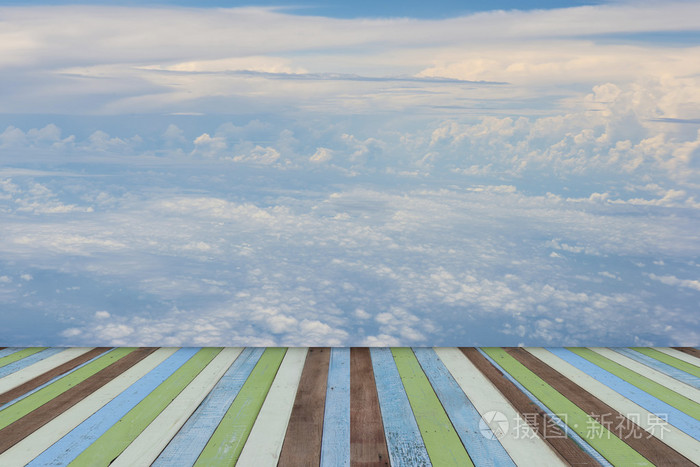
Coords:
302,442
20,429
49,375
636,437
540,421
367,442
689,350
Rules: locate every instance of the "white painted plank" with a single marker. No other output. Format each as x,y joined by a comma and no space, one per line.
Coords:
677,439
264,444
648,372
679,355
149,444
520,441
36,443
32,371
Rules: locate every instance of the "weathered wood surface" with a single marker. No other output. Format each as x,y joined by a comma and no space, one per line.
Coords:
359,407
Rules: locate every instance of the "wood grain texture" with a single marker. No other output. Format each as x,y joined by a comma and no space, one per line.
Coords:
441,440
367,441
18,366
664,380
403,437
538,420
636,437
462,414
690,351
40,440
671,435
227,442
151,441
47,376
659,365
133,419
188,443
302,443
518,438
43,410
660,392
335,442
670,360
262,449
18,355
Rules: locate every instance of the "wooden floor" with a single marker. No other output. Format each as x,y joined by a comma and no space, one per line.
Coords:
349,406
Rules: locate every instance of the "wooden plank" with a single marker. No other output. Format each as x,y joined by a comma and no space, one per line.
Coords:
623,428
41,372
18,355
146,447
28,414
681,353
464,417
511,430
302,442
132,413
654,426
441,440
658,365
335,441
404,440
19,365
264,444
227,442
670,360
70,446
533,415
188,443
690,351
650,373
663,410
653,388
41,439
592,432
9,350
367,443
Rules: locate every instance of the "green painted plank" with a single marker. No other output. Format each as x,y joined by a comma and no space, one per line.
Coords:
21,408
441,440
653,388
226,444
605,442
108,446
13,357
669,360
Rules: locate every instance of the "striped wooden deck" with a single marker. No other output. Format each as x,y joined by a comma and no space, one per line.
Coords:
338,407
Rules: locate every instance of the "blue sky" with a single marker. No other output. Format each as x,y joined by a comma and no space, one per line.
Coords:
391,174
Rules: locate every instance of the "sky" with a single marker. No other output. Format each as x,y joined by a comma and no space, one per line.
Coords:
396,173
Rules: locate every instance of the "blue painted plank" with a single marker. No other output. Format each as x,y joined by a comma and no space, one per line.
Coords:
570,433
335,447
30,360
188,443
675,373
70,446
403,438
14,401
663,410
464,417
9,351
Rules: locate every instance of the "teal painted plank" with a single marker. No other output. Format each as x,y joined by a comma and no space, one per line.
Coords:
404,441
189,442
9,350
335,447
462,414
70,446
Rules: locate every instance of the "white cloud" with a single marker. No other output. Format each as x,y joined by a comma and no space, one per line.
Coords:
673,280
321,155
